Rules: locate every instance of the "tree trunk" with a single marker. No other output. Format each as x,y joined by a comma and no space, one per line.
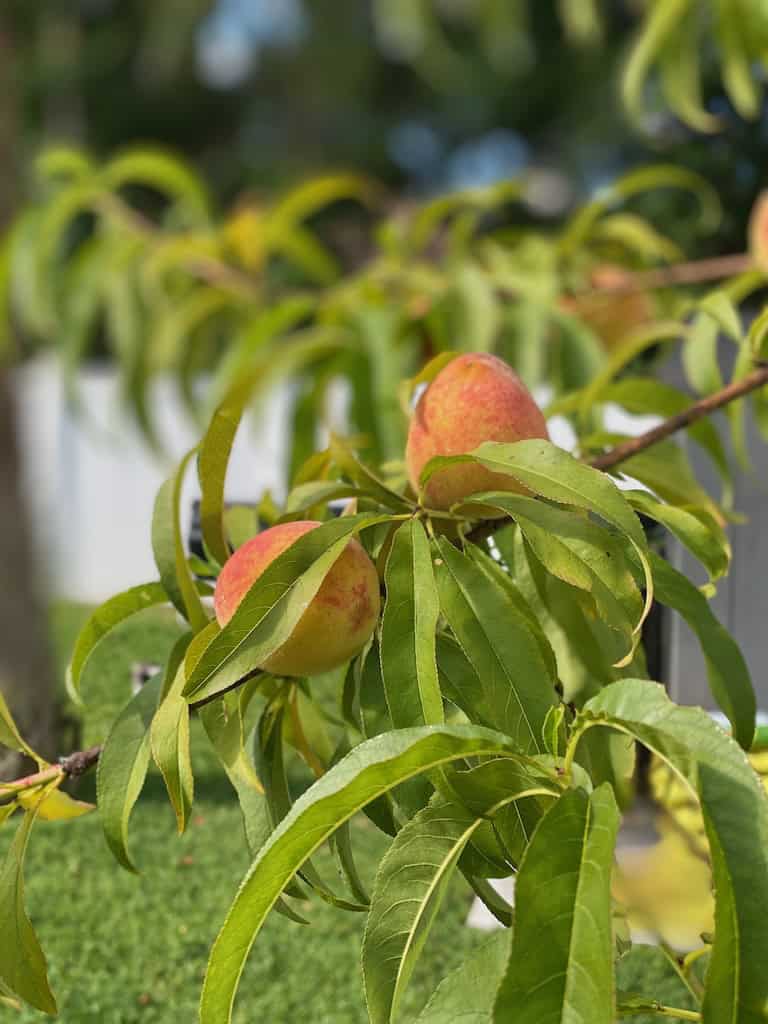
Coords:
26,673
26,669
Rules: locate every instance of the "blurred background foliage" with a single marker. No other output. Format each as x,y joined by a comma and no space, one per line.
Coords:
422,95
496,149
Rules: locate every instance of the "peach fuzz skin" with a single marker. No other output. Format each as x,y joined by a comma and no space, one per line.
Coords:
477,397
338,620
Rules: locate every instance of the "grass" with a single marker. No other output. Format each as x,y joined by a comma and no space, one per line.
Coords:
124,949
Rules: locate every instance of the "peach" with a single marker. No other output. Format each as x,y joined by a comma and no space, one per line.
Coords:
337,621
610,312
475,398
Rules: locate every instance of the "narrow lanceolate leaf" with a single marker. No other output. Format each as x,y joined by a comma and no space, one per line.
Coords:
370,770
270,610
735,810
10,736
582,554
223,723
468,993
103,620
169,738
22,962
552,473
122,768
168,548
410,886
411,611
561,964
704,537
517,687
215,449
727,672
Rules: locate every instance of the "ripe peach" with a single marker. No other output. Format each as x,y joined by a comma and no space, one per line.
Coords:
337,621
475,398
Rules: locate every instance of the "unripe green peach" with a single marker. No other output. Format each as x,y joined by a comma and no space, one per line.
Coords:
338,620
477,397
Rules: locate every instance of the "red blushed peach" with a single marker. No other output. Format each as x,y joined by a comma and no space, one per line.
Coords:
338,620
475,398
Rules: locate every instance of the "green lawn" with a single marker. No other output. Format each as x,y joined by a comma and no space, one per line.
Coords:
123,948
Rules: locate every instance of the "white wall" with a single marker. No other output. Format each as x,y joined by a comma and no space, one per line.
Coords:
90,483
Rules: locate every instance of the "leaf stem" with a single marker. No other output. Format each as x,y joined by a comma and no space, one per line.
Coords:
70,766
659,1010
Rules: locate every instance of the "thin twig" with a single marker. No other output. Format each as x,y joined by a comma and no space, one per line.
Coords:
692,272
697,411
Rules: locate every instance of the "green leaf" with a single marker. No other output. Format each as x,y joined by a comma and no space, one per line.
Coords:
552,473
169,738
407,642
468,993
161,170
224,726
665,468
54,222
168,549
10,736
653,177
388,361
637,236
699,355
272,607
344,457
254,336
122,768
654,975
312,196
481,319
660,23
727,672
738,76
216,445
370,770
580,553
410,886
695,528
62,162
560,965
106,617
319,492
22,961
516,686
735,810
680,68
496,572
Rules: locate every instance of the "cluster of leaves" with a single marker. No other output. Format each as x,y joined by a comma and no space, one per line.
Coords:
256,294
674,39
489,727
